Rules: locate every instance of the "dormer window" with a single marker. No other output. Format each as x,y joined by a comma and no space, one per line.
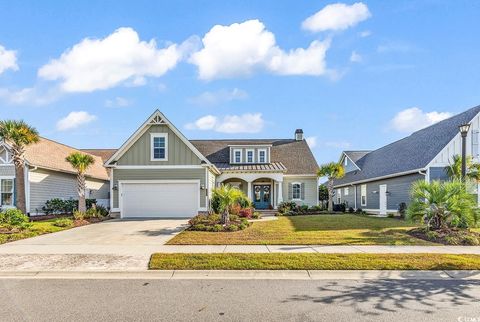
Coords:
159,145
250,156
262,156
237,156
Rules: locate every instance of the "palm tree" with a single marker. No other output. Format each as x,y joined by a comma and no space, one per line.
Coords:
227,196
454,169
441,205
80,162
332,171
18,134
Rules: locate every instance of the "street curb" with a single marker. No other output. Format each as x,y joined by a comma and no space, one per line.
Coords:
248,275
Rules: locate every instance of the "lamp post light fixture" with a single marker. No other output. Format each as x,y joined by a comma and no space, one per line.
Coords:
464,131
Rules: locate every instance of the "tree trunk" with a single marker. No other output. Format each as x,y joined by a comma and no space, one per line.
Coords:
330,195
225,217
82,206
18,160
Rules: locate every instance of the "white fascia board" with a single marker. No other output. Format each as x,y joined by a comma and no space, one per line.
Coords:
398,174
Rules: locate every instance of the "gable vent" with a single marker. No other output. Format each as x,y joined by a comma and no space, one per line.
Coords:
157,120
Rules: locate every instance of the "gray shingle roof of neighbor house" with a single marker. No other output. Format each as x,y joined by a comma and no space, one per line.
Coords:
411,153
294,155
356,155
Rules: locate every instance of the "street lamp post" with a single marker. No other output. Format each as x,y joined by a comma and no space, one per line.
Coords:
464,131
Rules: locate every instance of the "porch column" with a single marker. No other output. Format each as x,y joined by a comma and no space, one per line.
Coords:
280,192
249,190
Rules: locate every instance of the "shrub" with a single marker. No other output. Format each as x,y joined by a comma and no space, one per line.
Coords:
57,206
452,240
78,215
234,218
90,213
232,227
351,210
303,208
246,213
391,215
63,222
339,207
199,227
316,208
256,215
432,235
286,206
102,211
217,227
14,218
235,209
471,240
359,211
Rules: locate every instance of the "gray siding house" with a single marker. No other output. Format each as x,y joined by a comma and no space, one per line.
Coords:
378,181
49,176
158,172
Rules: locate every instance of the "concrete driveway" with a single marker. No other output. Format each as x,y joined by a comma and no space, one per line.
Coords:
110,245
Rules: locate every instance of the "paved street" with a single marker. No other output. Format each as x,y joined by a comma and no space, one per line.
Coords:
238,300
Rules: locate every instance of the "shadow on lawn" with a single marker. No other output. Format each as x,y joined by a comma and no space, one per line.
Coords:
375,297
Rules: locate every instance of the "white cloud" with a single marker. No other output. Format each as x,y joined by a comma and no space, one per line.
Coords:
243,48
219,97
311,141
365,33
74,120
355,57
117,102
95,64
29,95
8,59
413,119
245,123
337,16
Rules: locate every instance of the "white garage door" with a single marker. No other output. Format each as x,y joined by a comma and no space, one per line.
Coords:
159,199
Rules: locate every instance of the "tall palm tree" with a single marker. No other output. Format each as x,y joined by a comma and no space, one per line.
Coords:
454,169
18,134
80,162
332,171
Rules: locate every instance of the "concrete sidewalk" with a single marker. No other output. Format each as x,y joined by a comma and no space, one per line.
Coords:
317,249
250,275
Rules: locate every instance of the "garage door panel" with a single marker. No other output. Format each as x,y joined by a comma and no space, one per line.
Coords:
159,199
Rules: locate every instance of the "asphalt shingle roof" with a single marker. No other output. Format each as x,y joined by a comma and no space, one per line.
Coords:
294,155
410,153
356,155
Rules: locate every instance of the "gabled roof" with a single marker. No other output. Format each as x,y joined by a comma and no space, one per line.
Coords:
51,155
356,155
409,154
156,118
294,155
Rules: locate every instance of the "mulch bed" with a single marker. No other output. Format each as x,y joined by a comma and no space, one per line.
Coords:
447,236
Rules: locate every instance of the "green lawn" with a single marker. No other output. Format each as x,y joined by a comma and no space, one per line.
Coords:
314,261
310,230
38,228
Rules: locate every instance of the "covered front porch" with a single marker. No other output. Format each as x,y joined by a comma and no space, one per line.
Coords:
264,189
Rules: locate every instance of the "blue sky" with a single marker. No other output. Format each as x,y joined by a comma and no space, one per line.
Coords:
351,75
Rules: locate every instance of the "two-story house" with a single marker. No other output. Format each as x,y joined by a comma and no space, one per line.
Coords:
158,172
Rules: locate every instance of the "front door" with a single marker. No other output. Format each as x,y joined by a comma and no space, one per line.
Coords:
261,196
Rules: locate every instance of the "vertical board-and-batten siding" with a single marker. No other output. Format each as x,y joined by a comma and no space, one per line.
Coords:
7,171
454,147
140,151
398,188
310,189
47,184
159,174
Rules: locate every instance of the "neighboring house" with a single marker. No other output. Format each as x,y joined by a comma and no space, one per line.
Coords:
158,172
49,176
378,181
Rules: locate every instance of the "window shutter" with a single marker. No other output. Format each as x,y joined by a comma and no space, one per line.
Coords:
475,143
290,191
302,191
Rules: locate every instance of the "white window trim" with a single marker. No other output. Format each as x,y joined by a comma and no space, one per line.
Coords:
234,160
362,195
152,137
13,191
300,197
246,155
258,155
346,191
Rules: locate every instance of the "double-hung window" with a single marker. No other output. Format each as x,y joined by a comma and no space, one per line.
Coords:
296,191
159,146
250,156
262,156
237,156
6,192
